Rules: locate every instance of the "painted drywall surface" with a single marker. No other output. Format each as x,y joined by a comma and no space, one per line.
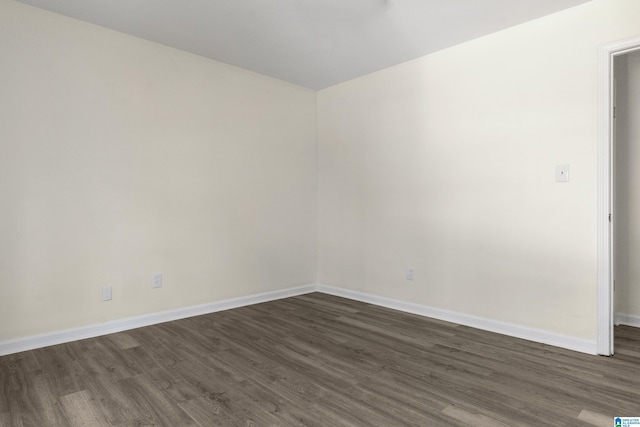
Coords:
446,164
120,158
627,236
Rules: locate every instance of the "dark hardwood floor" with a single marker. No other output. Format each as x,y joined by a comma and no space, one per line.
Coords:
317,360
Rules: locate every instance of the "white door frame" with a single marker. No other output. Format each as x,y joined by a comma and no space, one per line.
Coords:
606,56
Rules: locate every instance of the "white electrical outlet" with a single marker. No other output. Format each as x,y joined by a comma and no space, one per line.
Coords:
411,273
156,280
106,293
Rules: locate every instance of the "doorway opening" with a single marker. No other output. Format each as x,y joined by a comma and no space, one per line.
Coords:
608,58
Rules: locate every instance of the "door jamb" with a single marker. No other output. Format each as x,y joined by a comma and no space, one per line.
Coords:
606,56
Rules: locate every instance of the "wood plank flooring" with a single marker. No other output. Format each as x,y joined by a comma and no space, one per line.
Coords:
317,360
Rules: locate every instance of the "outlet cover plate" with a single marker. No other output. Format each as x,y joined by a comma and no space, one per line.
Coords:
106,293
156,280
411,273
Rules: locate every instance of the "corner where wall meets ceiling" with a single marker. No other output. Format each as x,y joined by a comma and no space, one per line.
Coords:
312,44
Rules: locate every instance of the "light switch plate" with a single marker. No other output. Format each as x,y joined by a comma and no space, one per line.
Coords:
562,173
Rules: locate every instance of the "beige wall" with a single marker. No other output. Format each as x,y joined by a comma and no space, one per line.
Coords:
627,237
447,163
120,157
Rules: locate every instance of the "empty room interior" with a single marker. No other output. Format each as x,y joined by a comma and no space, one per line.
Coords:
337,213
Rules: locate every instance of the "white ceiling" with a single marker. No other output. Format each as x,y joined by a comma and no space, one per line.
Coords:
313,43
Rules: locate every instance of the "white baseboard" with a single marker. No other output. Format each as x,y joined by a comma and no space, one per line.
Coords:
628,320
60,337
518,331
531,334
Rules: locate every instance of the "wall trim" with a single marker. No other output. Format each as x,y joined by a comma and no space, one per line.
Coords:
91,331
628,320
517,331
513,330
